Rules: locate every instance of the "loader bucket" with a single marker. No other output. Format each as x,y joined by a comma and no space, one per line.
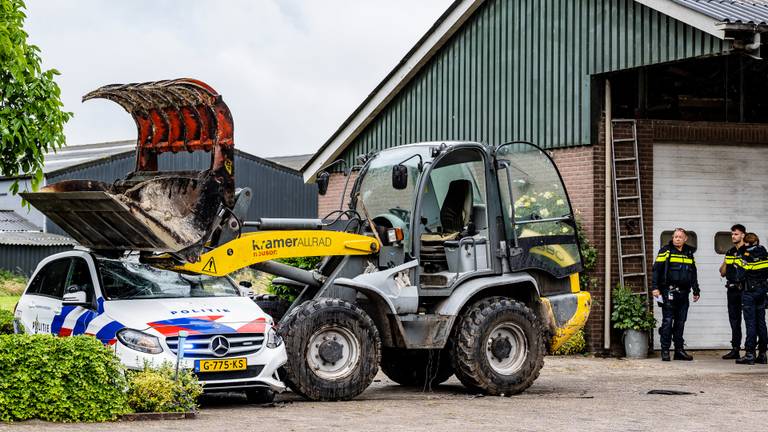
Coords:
149,210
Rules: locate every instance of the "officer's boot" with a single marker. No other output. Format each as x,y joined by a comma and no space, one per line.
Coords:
761,358
665,355
748,359
680,354
733,354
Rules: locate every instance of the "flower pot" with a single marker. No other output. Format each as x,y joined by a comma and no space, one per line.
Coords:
636,344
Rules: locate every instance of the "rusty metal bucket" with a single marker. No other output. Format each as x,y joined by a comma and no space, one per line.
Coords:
150,210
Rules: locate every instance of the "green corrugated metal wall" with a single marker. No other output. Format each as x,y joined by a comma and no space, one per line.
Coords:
520,69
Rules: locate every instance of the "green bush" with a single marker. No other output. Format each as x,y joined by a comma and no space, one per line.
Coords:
575,345
155,390
589,258
59,379
6,322
290,293
630,311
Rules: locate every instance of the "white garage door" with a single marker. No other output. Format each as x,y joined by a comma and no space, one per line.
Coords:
706,189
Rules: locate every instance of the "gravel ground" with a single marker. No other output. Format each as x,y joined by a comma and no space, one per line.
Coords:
583,393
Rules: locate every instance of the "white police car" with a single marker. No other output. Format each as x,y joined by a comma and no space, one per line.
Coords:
140,310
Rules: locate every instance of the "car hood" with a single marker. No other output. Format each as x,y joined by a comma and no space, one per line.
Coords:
204,315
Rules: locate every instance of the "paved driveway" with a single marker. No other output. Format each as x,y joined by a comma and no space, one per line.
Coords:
572,393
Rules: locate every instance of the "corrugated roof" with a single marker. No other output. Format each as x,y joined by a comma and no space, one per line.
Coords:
731,11
294,162
12,221
74,155
34,238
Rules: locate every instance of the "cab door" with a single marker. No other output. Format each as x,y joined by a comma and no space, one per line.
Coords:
41,302
539,222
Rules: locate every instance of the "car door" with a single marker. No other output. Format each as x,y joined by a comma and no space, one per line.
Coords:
77,317
41,302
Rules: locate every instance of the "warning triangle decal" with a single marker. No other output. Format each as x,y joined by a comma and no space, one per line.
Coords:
210,266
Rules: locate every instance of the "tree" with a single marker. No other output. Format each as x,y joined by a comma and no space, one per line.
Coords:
31,115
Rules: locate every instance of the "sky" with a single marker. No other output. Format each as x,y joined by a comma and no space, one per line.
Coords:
291,71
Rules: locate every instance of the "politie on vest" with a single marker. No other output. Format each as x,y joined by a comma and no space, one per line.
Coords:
674,277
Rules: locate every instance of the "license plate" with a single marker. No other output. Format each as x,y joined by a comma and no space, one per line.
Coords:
221,365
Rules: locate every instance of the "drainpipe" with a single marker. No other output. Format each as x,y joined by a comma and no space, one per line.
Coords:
608,201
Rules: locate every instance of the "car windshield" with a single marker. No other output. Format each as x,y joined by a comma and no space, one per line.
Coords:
124,280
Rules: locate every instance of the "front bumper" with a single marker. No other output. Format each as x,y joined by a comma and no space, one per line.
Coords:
565,314
261,372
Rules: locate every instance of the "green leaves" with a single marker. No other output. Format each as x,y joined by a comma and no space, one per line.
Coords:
289,293
155,390
630,311
31,116
59,379
6,322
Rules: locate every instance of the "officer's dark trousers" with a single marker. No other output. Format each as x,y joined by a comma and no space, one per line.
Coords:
674,313
753,305
734,316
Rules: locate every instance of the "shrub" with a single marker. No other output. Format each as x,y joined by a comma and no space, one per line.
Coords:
155,390
630,311
59,379
290,293
575,345
6,322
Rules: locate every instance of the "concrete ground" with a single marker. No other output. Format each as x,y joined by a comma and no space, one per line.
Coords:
572,393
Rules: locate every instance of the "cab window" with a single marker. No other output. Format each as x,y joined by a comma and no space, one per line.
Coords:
50,279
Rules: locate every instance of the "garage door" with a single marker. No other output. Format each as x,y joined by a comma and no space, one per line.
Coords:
698,187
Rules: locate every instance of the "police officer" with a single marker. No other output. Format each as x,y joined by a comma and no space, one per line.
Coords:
734,276
674,276
755,263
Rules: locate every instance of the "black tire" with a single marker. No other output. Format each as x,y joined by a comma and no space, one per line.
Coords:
491,363
416,367
336,331
260,395
272,305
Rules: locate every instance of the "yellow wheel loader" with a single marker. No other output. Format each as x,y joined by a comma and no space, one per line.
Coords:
450,258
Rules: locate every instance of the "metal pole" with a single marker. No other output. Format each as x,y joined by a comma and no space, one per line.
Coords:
180,352
608,196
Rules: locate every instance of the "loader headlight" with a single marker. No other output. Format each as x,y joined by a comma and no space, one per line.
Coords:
140,341
273,339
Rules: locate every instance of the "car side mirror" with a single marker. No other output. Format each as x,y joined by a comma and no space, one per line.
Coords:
322,182
399,177
76,298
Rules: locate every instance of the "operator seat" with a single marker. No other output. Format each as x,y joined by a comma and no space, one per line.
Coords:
455,214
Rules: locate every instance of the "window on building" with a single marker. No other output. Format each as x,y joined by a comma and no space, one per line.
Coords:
723,242
666,237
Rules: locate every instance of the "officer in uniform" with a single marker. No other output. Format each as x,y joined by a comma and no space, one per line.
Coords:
734,276
755,263
674,277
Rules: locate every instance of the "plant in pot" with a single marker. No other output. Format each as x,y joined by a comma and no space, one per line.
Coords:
631,314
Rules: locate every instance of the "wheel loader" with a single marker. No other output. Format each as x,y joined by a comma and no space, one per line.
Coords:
447,258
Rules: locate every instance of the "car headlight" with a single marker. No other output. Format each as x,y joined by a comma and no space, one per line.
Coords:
140,341
273,339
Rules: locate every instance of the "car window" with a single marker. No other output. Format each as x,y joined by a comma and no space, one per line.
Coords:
80,278
53,277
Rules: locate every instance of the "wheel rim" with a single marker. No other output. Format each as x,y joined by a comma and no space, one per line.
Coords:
506,348
333,352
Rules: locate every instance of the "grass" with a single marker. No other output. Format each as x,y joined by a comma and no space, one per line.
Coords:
8,302
11,284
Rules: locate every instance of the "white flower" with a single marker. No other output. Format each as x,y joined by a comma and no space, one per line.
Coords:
544,213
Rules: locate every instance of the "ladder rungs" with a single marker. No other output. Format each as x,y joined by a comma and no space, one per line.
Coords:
623,120
623,140
631,236
629,217
635,255
626,178
624,159
633,274
628,198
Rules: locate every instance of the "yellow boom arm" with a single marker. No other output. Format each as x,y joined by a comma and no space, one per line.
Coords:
260,246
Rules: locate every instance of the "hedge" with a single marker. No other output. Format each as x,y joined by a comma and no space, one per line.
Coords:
6,322
59,379
156,390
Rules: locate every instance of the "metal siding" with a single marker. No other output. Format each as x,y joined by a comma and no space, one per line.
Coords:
24,259
277,191
520,69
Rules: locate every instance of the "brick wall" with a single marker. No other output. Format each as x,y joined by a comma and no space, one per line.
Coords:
332,199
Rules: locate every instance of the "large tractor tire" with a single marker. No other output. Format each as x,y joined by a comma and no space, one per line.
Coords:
333,350
422,368
498,347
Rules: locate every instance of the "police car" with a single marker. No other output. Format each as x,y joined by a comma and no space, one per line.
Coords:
140,310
